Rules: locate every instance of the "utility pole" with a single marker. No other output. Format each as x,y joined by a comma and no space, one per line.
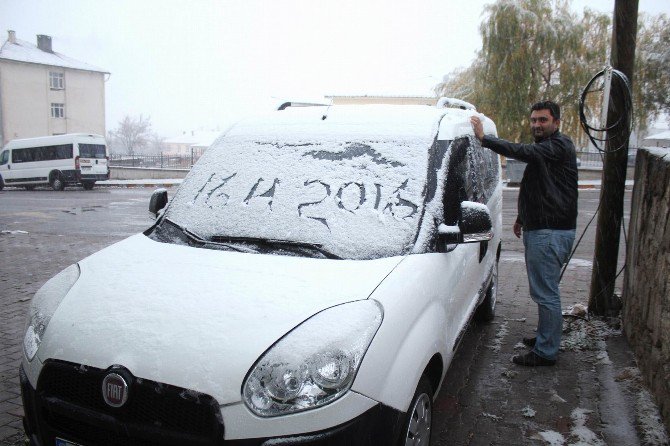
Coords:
601,297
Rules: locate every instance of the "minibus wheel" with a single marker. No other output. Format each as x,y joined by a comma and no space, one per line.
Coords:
57,182
2,183
88,185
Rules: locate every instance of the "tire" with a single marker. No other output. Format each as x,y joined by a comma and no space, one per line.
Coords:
88,185
486,311
29,187
2,184
57,182
418,420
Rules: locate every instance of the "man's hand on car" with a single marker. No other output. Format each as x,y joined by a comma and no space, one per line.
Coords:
477,127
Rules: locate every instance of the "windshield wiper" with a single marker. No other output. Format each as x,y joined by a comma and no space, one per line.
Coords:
195,238
276,244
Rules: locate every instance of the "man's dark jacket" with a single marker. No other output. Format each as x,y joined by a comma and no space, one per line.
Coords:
548,194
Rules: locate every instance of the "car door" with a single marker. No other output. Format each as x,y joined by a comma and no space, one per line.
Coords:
6,165
485,173
457,271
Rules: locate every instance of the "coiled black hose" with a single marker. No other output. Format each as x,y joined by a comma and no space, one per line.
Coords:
620,87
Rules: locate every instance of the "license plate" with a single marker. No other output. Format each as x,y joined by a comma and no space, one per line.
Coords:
61,442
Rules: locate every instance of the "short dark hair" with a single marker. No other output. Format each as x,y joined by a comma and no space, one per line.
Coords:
554,108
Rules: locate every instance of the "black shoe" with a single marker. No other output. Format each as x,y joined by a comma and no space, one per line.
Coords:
530,342
531,359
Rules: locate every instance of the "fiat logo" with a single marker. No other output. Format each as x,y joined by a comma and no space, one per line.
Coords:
114,390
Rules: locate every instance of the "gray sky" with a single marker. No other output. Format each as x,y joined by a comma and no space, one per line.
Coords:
202,64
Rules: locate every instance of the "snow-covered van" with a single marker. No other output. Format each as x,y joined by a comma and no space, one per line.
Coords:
307,284
59,160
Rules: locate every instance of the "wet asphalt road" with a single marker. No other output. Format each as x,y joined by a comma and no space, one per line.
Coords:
44,231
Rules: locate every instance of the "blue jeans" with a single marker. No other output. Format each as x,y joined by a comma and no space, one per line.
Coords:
546,251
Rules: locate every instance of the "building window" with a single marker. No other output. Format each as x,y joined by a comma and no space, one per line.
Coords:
57,110
56,80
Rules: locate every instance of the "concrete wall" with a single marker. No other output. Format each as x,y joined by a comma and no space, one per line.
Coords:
26,101
646,293
141,173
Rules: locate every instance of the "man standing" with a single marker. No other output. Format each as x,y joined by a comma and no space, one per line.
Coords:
547,215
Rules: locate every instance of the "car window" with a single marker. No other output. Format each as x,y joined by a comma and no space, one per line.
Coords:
357,197
484,171
4,157
460,184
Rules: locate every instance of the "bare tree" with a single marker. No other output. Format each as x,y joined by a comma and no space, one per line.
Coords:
157,143
133,133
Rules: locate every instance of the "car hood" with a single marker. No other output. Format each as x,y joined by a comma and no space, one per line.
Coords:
195,318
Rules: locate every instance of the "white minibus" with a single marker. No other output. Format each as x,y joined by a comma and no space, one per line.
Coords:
59,160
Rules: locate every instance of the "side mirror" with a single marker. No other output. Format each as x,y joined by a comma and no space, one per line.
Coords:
158,201
474,226
475,223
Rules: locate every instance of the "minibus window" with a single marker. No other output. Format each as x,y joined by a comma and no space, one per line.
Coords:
64,151
4,158
92,151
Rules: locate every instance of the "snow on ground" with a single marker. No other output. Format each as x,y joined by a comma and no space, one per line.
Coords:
500,335
580,435
649,421
590,335
528,412
582,334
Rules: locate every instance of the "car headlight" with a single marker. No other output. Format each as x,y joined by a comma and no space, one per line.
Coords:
315,363
43,306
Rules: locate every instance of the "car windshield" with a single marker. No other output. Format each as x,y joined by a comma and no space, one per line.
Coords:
360,198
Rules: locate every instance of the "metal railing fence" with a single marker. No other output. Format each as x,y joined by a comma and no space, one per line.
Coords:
161,161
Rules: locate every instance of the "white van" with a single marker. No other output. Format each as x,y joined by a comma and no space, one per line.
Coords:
307,284
60,160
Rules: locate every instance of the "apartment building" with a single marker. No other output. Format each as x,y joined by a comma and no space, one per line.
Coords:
43,92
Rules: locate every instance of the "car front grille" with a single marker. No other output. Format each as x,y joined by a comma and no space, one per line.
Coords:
70,404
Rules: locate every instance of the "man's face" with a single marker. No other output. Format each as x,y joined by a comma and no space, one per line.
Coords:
542,124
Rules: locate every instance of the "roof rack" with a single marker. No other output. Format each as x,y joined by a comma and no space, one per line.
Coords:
300,104
455,103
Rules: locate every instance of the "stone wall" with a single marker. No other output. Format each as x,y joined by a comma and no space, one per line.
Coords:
646,293
142,173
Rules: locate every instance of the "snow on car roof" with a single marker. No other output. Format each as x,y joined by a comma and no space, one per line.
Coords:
368,120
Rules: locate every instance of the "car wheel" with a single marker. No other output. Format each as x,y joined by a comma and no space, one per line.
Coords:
57,182
486,311
88,185
30,187
419,418
2,184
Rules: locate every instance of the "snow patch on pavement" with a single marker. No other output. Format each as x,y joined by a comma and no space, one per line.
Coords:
649,421
500,335
528,412
555,397
552,438
580,335
491,416
14,232
582,435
